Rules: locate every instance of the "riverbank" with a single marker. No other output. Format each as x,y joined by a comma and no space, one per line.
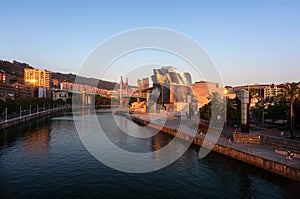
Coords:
256,154
45,157
25,118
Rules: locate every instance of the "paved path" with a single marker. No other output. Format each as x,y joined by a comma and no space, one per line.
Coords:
254,149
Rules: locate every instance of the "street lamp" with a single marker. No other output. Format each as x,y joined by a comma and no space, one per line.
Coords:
263,118
6,114
292,125
20,111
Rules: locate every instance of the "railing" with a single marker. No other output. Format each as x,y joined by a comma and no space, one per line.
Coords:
6,118
259,151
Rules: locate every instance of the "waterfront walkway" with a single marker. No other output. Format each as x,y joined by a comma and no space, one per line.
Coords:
257,150
263,151
24,118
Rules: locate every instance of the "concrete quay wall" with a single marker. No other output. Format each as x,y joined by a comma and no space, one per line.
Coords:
229,150
25,118
258,161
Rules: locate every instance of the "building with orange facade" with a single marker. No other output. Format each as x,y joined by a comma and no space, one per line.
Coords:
40,79
37,77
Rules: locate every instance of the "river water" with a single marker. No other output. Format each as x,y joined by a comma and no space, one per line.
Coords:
46,159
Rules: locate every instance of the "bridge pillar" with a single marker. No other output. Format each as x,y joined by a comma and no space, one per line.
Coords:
83,100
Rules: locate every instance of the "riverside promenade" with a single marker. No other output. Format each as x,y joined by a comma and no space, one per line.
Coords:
24,118
251,149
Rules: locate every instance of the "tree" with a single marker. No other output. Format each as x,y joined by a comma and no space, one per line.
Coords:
218,108
233,112
2,106
205,111
252,94
10,105
297,111
215,109
277,110
291,91
101,100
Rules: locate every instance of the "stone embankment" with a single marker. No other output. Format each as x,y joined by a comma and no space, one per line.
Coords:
25,118
257,150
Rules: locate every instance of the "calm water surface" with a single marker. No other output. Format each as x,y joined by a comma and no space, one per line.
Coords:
46,159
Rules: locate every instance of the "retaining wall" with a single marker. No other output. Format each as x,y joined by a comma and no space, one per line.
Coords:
272,141
225,149
25,118
280,143
246,138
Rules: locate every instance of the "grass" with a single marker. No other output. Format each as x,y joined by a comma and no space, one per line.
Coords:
271,126
286,129
254,129
296,131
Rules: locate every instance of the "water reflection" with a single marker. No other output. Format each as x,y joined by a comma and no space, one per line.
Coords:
160,140
37,143
48,159
10,135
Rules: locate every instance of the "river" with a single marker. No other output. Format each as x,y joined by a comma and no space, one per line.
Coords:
46,159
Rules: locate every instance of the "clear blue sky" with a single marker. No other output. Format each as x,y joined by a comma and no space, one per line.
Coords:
249,41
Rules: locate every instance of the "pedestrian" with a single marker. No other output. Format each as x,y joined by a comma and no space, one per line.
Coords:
200,133
282,133
290,154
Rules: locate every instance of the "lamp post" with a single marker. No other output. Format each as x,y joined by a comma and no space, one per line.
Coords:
262,112
225,92
263,117
6,114
225,115
30,110
37,108
189,101
162,95
20,111
244,111
292,126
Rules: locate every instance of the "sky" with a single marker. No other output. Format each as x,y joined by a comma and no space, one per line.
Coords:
248,41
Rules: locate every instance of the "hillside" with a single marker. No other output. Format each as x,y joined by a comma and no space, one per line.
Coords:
16,69
83,80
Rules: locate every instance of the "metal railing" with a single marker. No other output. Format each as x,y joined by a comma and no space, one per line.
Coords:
5,117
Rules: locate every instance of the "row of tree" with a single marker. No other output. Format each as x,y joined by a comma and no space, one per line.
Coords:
33,102
26,102
285,107
232,107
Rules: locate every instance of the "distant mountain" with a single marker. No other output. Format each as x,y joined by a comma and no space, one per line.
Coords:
16,69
